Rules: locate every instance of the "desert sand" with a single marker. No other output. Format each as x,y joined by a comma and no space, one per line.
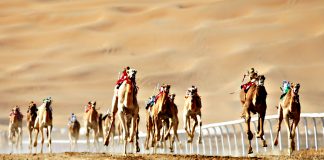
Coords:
73,51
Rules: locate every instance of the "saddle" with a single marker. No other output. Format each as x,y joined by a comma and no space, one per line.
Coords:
247,86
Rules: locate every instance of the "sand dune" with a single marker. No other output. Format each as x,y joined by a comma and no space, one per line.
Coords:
73,51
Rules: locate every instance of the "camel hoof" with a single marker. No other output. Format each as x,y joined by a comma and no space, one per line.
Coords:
250,135
189,140
171,150
138,149
265,144
275,143
250,150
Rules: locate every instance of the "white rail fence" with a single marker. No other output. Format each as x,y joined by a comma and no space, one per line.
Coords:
227,138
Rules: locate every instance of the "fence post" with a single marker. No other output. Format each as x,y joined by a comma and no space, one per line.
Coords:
306,132
242,139
222,139
228,140
315,133
271,136
216,140
210,143
235,139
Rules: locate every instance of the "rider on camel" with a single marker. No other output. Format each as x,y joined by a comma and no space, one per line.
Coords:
90,105
72,119
16,111
286,85
32,109
122,78
163,88
253,76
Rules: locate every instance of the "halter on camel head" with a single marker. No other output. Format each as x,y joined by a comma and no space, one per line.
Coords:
260,80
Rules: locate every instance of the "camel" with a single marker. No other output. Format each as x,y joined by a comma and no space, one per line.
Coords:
74,132
15,128
91,122
289,108
192,110
31,117
149,124
254,101
43,120
165,117
126,106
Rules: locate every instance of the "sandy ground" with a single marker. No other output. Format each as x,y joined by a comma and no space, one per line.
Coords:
306,154
73,51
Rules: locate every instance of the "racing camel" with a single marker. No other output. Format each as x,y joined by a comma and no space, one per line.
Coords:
254,101
127,109
43,120
192,110
289,108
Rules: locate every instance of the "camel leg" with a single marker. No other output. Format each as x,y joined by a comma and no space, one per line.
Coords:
43,138
293,132
286,118
194,127
136,138
261,130
36,135
148,131
132,128
30,139
124,125
49,138
279,124
19,139
185,124
247,125
200,124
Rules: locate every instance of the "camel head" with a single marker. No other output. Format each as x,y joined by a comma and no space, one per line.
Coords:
131,73
93,104
172,97
260,79
165,88
295,88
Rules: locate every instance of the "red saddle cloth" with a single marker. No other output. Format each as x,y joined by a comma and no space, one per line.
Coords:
247,86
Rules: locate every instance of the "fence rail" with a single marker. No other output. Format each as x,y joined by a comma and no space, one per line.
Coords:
228,138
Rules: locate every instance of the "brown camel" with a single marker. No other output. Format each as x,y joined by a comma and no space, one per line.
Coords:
74,133
91,122
289,108
127,109
165,115
192,110
254,101
15,128
31,117
43,120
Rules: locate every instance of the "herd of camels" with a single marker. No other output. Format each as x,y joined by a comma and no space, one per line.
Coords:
161,117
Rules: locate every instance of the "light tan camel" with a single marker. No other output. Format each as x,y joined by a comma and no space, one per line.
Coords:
289,108
91,122
74,133
15,128
127,109
149,125
43,120
31,117
254,101
192,110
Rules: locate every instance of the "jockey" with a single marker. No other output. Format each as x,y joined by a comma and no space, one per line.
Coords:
163,88
150,102
122,78
32,109
284,88
252,74
72,119
49,100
